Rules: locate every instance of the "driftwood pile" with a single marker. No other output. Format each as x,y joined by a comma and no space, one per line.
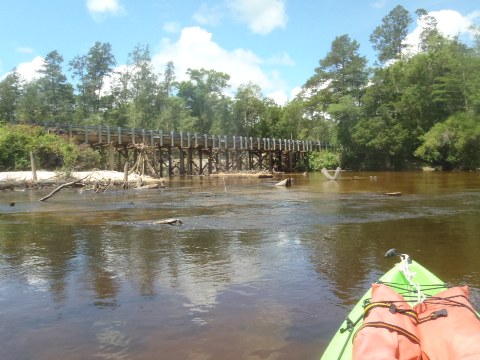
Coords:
6,186
99,186
96,181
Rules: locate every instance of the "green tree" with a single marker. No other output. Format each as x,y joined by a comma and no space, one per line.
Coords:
57,93
346,114
291,122
173,112
10,93
78,67
436,85
380,143
430,36
92,70
203,95
388,38
144,88
223,120
475,30
454,143
168,84
30,105
336,89
270,120
457,85
175,115
122,98
295,121
248,109
342,72
408,98
100,62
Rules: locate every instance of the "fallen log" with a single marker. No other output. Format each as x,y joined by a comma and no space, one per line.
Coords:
397,193
259,175
150,186
61,187
177,222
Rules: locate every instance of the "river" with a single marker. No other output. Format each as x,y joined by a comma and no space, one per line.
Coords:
255,271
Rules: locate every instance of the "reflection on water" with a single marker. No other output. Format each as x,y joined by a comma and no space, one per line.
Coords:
254,272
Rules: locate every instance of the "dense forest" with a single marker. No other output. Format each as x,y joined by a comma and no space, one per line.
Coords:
414,106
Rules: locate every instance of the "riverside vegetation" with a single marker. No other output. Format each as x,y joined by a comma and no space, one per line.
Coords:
414,106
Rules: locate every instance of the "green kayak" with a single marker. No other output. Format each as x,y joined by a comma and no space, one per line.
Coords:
406,277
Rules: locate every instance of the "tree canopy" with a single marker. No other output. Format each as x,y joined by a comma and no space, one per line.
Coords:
420,105
388,39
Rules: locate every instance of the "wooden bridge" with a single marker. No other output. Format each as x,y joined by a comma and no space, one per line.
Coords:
161,153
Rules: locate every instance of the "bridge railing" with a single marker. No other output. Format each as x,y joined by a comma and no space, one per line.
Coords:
98,135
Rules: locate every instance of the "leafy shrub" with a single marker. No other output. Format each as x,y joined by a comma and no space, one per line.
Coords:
15,147
453,144
84,158
51,152
321,159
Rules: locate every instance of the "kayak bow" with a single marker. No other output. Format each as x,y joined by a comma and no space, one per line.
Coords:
410,279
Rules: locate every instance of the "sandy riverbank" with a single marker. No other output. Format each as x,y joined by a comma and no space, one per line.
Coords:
19,177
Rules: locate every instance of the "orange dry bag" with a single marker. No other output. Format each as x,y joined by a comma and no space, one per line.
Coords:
389,329
448,326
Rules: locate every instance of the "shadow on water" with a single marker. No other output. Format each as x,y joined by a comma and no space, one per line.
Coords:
253,271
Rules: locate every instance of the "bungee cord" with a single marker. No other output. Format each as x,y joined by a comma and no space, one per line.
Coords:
405,268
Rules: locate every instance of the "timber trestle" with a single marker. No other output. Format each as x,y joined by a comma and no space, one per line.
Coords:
180,153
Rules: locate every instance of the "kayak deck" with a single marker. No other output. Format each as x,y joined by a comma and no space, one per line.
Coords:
341,345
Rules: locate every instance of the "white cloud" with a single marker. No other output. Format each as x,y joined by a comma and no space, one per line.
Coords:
103,7
29,70
171,27
113,78
195,49
449,22
295,91
452,23
262,17
279,97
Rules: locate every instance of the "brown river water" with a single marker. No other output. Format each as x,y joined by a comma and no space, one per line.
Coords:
255,271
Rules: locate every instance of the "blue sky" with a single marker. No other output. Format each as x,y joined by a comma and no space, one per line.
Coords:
274,43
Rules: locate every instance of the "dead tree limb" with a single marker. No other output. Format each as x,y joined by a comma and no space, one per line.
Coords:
330,177
61,187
